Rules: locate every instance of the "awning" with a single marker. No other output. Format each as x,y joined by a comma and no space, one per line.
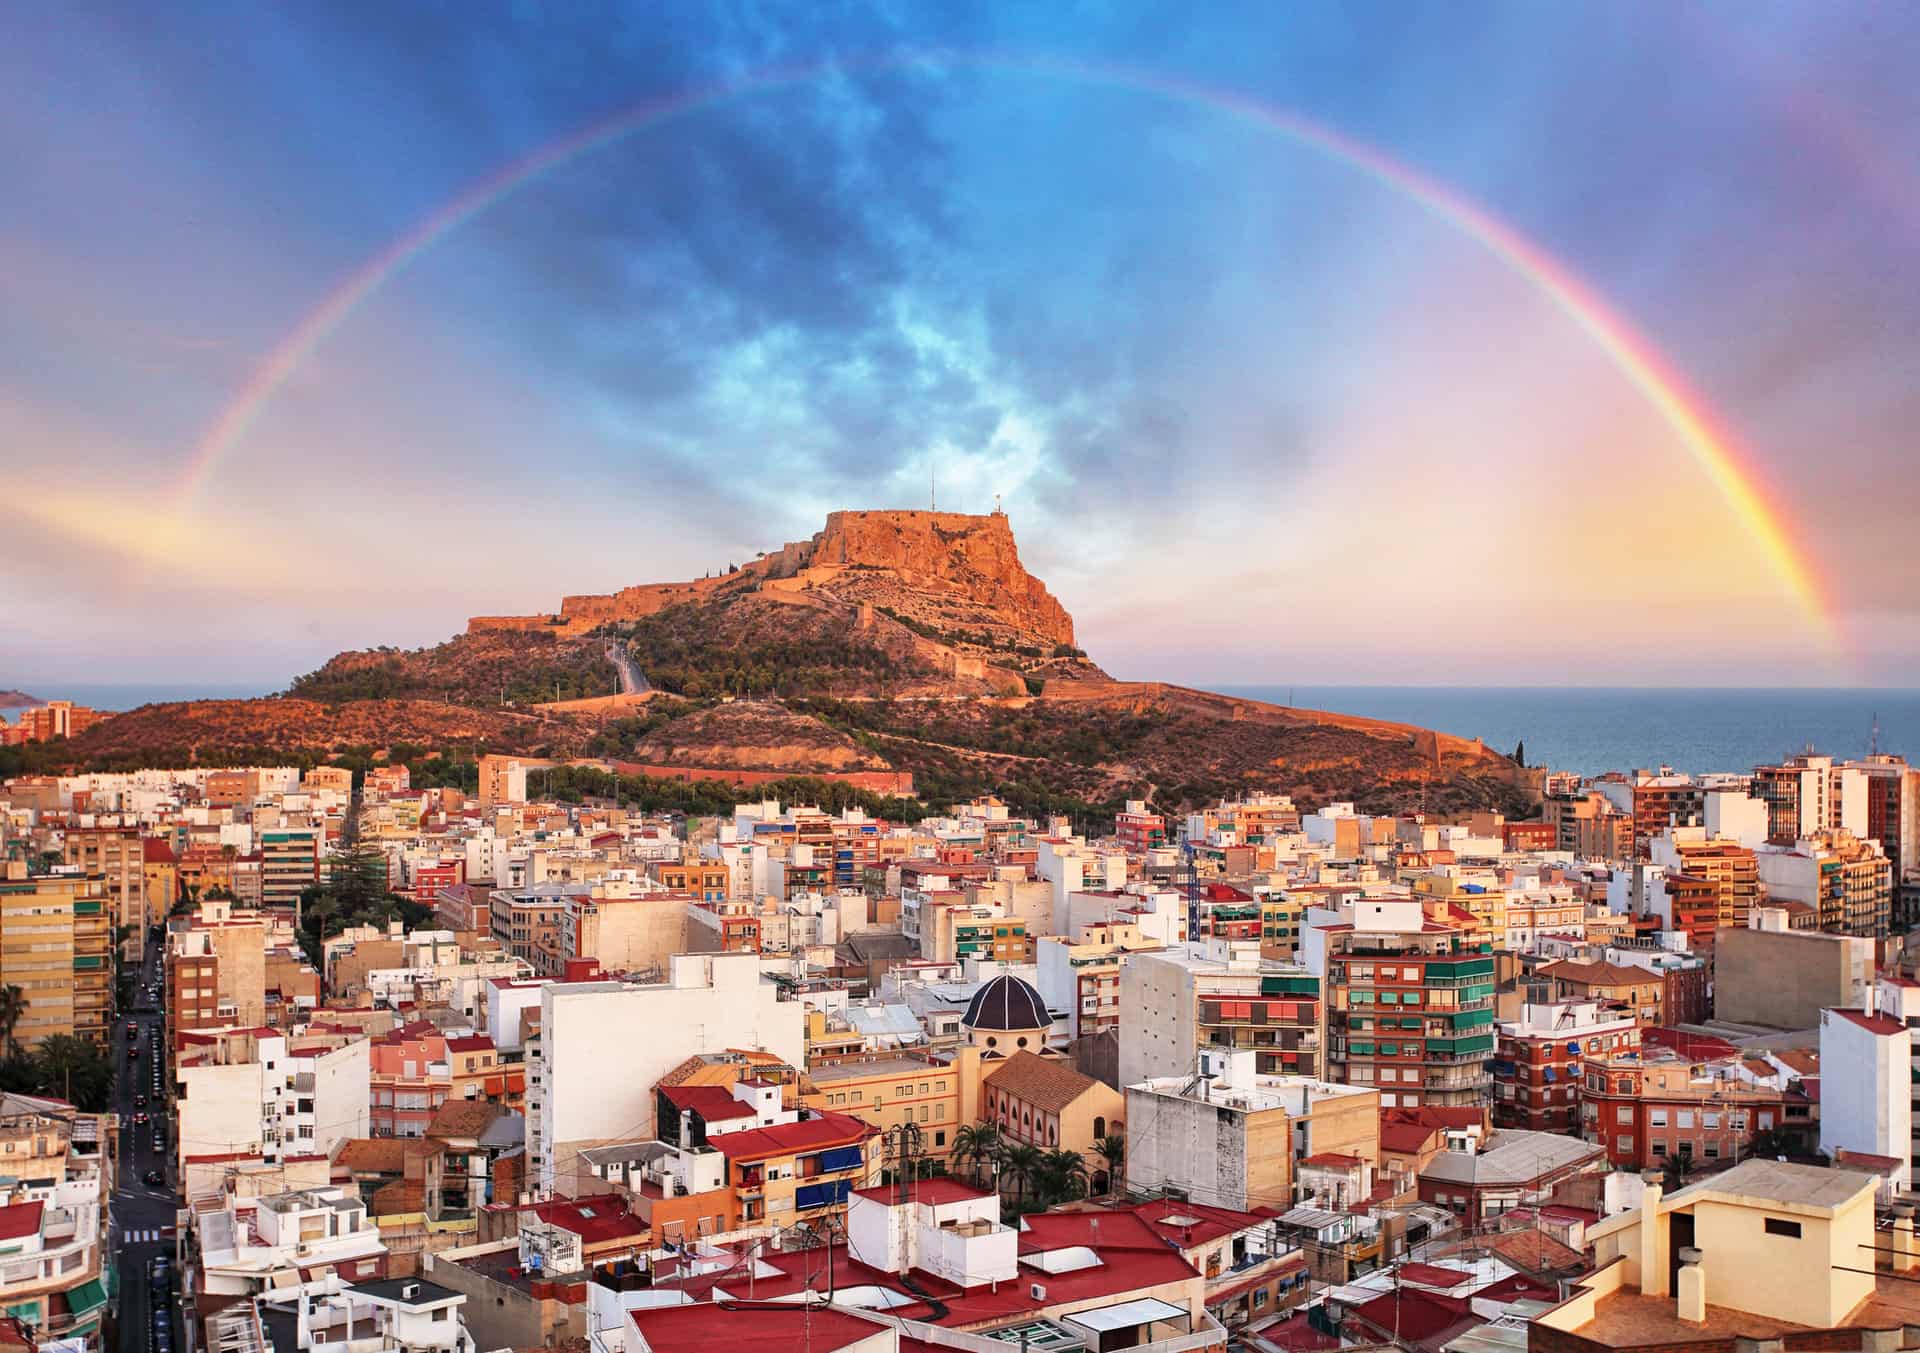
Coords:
1127,1315
88,1296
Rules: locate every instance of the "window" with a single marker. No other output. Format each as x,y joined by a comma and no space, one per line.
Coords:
1656,1118
1780,1226
1623,1114
1686,1118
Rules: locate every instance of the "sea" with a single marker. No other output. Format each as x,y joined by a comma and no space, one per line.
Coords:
121,697
1594,729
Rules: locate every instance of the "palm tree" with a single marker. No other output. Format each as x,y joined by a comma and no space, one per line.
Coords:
1674,1173
13,1005
1113,1150
1062,1176
977,1144
1021,1164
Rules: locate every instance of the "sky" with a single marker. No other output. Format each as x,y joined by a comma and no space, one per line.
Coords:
326,327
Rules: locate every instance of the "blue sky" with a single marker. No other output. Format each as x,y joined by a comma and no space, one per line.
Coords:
1256,415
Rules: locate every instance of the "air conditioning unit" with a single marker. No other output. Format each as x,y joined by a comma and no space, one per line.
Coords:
1037,1291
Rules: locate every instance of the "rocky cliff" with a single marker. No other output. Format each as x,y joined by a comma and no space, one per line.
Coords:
945,571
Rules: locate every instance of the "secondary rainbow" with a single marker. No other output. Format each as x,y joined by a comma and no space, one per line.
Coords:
1685,413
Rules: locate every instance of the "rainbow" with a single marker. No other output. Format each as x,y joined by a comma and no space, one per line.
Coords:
1632,355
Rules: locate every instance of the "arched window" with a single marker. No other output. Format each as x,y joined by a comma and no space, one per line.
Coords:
1099,1127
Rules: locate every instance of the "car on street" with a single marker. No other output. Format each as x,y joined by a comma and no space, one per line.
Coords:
155,1178
140,1118
139,1101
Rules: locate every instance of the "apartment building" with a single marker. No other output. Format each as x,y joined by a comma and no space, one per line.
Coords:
591,1072
1729,870
1174,1002
1138,831
1233,1138
1083,977
623,927
526,922
1847,879
56,941
1537,1067
1695,1102
217,970
242,1096
409,1078
117,856
938,1092
54,1264
289,863
1409,1005
1640,992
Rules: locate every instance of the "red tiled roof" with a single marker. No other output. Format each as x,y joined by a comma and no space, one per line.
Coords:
477,1043
595,1220
711,1102
20,1220
1433,1275
1208,1223
773,1326
1413,1315
824,1129
1335,1159
1295,1335
155,850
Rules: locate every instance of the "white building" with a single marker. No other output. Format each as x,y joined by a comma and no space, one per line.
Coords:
603,1046
254,1098
1071,866
383,1315
1866,1086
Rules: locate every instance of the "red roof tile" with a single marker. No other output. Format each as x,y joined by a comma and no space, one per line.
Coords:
712,1102
595,1220
1416,1316
774,1326
823,1130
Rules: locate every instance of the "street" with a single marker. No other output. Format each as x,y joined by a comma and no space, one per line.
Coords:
143,1215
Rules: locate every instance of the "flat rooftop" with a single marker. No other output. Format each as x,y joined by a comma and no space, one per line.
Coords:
1628,1319
891,1066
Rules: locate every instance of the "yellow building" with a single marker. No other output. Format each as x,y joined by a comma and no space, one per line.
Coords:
1043,1102
56,941
887,1089
1766,1246
117,855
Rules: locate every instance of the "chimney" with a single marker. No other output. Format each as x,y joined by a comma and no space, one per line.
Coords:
1906,1245
1691,1299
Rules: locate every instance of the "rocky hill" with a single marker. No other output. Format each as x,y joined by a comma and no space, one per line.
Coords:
229,732
936,602
482,667
19,700
913,641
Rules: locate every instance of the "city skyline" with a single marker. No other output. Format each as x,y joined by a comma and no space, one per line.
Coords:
1360,345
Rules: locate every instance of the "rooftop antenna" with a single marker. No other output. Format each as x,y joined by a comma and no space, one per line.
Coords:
1873,740
931,506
